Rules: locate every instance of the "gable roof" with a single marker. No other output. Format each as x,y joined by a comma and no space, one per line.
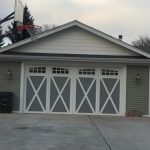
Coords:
83,26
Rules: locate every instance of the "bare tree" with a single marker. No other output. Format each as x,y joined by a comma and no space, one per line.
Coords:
143,43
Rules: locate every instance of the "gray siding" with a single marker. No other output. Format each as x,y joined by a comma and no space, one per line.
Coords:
137,93
12,85
75,41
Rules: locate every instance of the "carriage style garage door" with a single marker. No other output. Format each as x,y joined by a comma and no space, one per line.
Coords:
72,90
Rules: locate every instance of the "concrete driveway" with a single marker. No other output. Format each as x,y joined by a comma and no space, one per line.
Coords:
73,132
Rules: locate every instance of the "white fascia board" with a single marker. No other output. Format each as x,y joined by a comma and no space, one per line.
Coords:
83,26
149,95
15,45
75,59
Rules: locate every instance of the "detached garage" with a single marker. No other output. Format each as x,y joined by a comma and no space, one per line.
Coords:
75,69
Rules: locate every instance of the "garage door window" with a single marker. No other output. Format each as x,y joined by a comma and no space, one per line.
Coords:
110,72
86,71
37,70
60,70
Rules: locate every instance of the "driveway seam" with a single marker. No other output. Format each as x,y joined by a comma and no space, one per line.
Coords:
100,133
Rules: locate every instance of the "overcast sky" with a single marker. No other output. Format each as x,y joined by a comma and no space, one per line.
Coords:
127,17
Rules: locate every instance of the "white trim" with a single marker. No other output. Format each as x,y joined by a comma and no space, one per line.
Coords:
123,82
73,59
25,89
75,64
97,90
146,115
48,72
22,77
149,94
60,113
74,89
16,111
72,93
79,113
110,114
85,27
35,112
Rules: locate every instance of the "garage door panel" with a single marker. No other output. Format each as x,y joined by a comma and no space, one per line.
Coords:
116,96
103,95
109,108
108,103
35,93
85,82
79,94
66,94
85,107
60,94
60,106
53,94
92,95
42,93
36,81
85,95
60,81
29,93
109,83
35,106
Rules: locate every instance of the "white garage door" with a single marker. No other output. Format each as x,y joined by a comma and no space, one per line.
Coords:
60,84
109,99
72,90
36,89
85,101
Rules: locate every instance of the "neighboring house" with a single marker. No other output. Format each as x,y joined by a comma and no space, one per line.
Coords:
75,69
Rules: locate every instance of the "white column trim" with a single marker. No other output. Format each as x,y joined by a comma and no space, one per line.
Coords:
97,90
123,84
72,93
74,71
48,74
149,94
21,109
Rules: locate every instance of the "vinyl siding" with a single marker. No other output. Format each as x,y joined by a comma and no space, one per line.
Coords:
75,41
137,93
12,85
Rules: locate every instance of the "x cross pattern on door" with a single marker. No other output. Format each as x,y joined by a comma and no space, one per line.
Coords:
36,92
109,98
60,97
85,100
85,97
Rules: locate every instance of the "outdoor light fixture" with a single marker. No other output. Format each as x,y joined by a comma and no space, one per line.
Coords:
9,74
138,78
